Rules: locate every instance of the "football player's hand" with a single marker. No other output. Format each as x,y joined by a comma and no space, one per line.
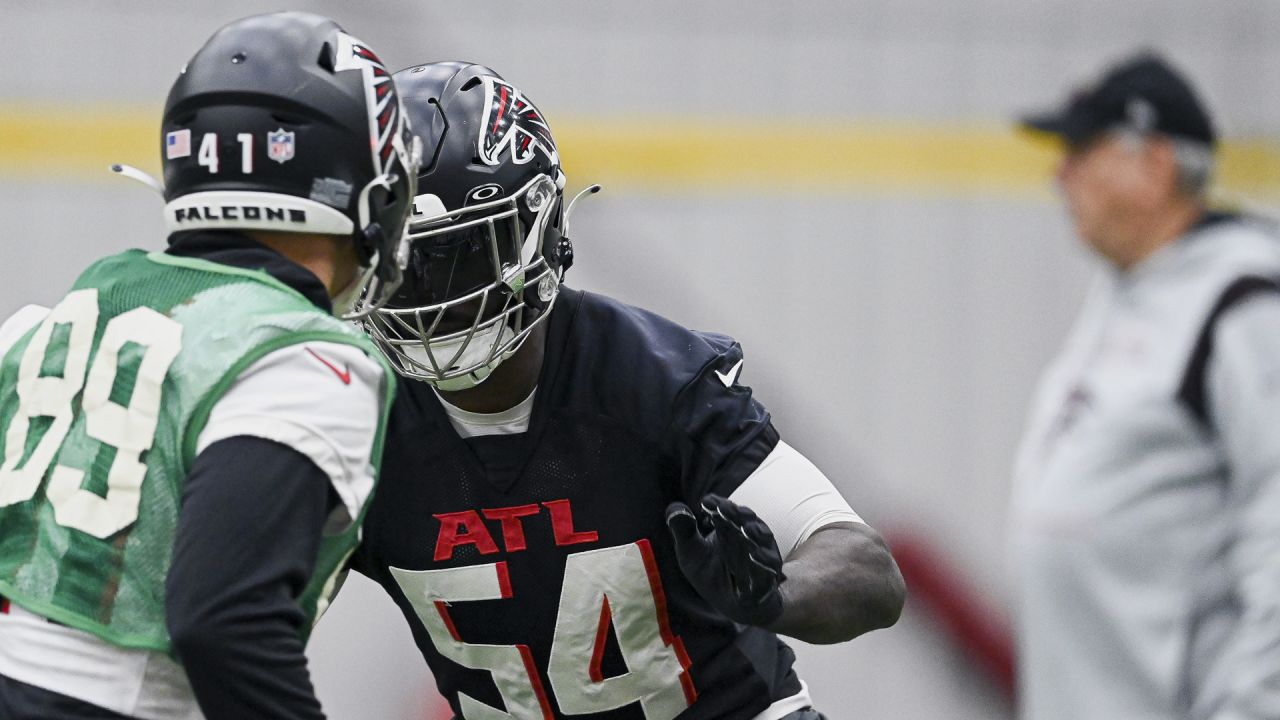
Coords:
730,557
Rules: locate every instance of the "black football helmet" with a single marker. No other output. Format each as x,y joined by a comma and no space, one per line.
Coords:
284,122
487,251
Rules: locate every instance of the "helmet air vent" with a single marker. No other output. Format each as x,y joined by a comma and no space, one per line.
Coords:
326,58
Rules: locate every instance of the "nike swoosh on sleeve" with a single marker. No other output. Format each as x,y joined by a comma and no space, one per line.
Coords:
344,375
730,377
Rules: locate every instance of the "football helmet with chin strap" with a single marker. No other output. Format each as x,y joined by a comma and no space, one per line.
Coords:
487,248
285,123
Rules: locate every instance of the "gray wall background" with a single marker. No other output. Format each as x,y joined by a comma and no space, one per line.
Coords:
894,333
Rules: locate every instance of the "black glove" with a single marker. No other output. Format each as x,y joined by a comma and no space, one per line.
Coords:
730,557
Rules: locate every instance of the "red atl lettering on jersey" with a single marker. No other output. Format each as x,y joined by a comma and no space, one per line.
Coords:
462,528
562,525
466,528
512,528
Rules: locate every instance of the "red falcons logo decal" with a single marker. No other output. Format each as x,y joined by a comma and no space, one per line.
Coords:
386,110
511,121
384,106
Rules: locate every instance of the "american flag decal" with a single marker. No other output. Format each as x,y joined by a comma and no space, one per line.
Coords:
511,121
177,144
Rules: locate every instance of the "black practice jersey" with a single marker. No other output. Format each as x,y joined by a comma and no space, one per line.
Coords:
536,569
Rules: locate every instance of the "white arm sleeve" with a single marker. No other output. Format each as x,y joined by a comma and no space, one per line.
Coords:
18,324
792,497
324,400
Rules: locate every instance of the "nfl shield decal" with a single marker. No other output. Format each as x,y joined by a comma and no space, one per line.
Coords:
280,145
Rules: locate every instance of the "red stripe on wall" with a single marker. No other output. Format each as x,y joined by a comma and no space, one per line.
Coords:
979,629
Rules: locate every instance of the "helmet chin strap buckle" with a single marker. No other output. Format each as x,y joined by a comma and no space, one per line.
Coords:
558,249
371,237
564,254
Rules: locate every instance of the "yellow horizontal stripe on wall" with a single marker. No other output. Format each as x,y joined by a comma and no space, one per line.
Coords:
76,142
675,153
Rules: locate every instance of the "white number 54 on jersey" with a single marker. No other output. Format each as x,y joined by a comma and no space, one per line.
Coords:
617,585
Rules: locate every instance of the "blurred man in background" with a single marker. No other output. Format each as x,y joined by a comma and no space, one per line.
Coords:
584,544
190,437
1147,496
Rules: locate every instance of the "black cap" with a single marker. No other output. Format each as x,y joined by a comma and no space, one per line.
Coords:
1143,93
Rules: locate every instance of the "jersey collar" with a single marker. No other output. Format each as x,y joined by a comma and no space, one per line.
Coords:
236,250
